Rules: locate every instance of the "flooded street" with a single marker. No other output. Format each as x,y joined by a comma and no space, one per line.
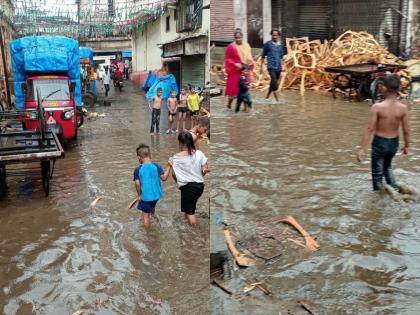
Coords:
58,254
299,158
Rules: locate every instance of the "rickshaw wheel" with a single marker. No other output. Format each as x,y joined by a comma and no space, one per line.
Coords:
46,176
3,184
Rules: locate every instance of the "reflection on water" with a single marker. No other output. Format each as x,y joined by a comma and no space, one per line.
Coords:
57,254
298,158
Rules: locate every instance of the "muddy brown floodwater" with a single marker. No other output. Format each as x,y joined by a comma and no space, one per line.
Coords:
298,158
57,254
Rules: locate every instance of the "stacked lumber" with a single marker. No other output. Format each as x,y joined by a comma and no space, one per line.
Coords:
305,62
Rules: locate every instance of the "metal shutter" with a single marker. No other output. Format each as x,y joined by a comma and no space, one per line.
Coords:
310,18
222,22
375,17
193,70
314,19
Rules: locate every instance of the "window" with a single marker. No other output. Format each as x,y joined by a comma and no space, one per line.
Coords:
190,15
168,23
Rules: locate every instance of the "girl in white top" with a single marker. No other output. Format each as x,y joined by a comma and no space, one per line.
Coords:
189,167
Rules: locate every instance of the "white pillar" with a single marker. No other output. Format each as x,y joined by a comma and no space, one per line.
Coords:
266,19
240,13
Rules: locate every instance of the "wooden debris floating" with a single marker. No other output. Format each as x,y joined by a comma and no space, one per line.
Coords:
241,259
310,242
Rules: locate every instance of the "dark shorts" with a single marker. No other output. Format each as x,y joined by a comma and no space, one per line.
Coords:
194,112
182,110
383,151
274,75
190,193
171,114
147,206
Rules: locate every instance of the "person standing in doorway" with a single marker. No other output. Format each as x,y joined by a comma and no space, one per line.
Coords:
106,79
273,51
384,122
126,68
238,54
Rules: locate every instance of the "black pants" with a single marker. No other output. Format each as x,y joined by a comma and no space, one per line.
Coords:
155,120
243,98
106,89
190,193
383,151
274,75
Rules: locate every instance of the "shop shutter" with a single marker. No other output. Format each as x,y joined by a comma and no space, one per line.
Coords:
314,19
222,23
310,18
375,17
193,70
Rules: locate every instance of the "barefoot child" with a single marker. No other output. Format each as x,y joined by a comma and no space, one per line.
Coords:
189,167
243,93
384,122
193,104
182,110
157,104
147,178
172,105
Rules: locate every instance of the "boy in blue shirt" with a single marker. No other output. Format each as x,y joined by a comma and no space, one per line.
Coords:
147,178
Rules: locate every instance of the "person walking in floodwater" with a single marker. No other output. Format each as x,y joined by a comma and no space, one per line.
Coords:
273,51
238,54
157,104
147,177
189,167
384,122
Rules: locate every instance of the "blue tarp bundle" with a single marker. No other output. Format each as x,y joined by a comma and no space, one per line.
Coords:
151,78
126,54
86,52
45,54
166,83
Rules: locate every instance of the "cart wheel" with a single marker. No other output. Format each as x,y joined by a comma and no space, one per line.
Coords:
3,184
46,176
375,90
334,92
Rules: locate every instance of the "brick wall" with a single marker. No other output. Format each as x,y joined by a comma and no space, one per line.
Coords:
222,22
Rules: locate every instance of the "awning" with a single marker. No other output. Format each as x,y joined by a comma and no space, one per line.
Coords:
126,54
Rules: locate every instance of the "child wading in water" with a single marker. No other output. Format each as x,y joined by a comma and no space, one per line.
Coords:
243,93
384,122
193,103
189,167
157,104
172,106
182,110
147,178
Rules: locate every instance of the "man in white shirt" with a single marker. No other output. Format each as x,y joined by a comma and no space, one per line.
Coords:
106,78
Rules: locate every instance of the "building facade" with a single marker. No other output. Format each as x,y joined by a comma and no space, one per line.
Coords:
394,23
177,42
8,33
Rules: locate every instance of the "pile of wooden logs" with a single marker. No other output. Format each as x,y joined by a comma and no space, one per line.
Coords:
305,62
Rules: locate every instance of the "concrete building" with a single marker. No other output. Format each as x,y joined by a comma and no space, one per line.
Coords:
177,42
8,33
99,16
393,22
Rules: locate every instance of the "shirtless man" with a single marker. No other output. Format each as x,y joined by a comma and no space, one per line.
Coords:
384,122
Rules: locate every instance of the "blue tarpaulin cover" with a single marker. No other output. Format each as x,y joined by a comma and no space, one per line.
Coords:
86,52
126,54
166,83
45,54
151,78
